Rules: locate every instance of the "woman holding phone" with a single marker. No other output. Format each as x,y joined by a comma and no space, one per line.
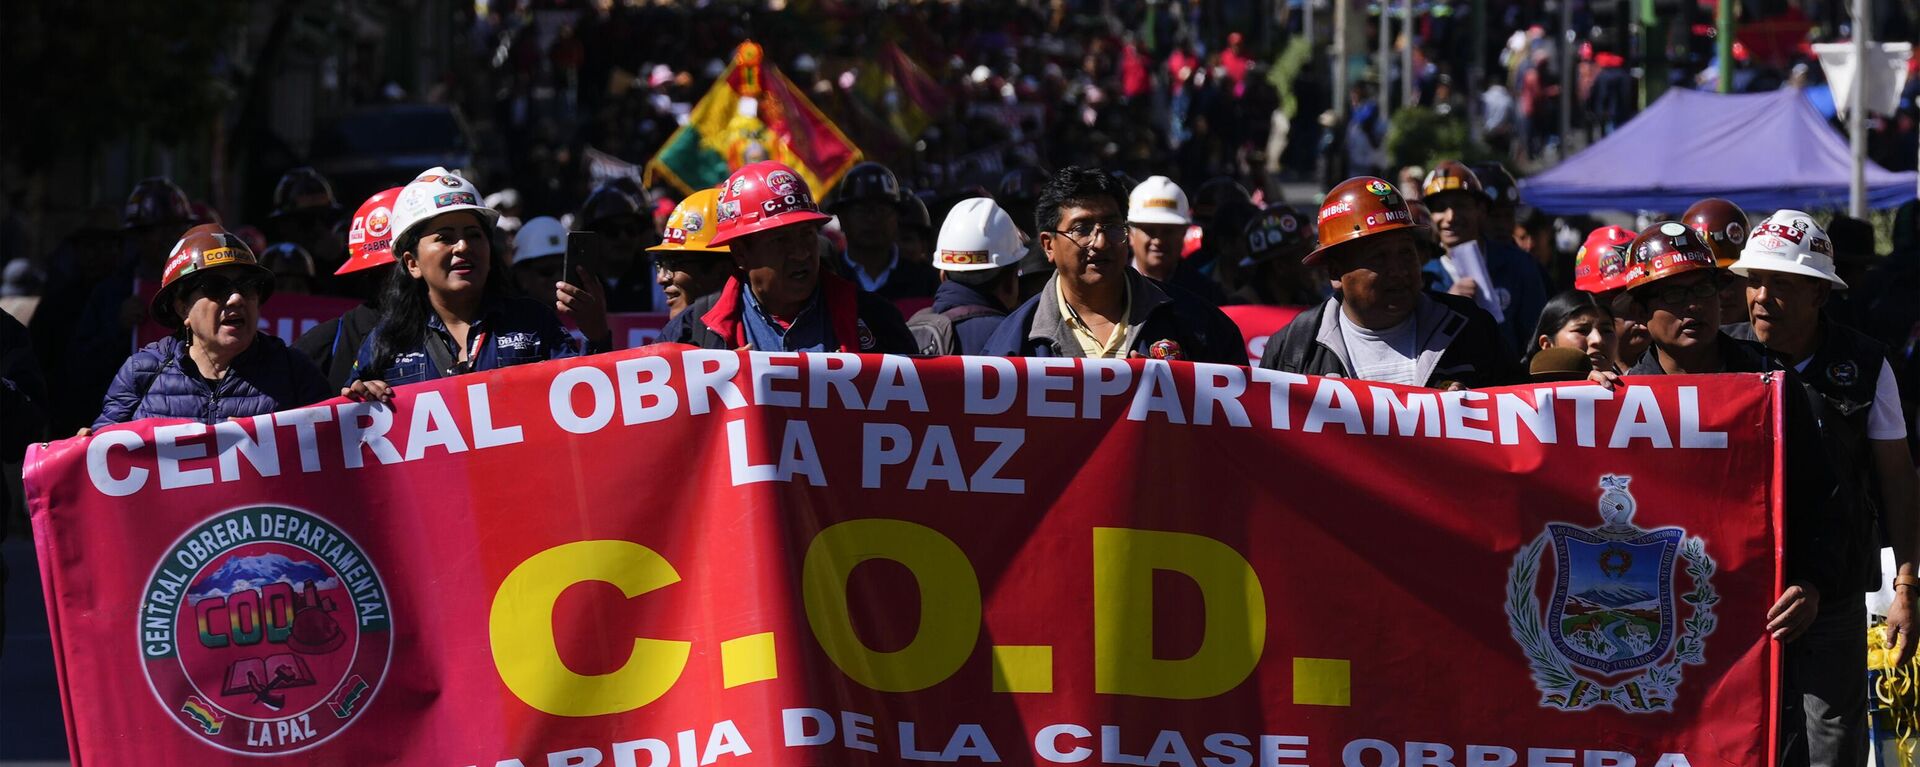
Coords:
448,313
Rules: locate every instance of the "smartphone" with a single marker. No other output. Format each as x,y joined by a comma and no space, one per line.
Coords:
586,250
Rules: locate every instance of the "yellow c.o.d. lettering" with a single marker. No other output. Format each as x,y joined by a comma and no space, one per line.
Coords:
949,602
1236,610
525,651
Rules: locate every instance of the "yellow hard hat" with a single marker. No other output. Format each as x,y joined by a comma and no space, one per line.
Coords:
692,225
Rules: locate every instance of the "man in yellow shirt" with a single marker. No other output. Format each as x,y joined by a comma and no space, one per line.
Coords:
1096,305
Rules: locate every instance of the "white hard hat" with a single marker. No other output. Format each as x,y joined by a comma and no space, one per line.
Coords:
437,191
1158,200
538,238
1789,242
978,235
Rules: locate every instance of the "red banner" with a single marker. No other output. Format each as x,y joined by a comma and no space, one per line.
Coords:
287,315
1258,323
670,557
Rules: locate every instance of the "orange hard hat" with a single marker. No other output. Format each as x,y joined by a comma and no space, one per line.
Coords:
1722,225
1664,250
761,196
1601,264
1359,208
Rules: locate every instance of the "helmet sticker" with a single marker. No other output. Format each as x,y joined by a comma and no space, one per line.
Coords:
455,198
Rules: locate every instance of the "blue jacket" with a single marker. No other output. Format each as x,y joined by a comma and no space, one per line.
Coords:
159,381
1196,330
1518,285
972,331
518,331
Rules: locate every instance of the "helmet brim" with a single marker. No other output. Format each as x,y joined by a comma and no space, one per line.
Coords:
792,218
1747,265
1319,254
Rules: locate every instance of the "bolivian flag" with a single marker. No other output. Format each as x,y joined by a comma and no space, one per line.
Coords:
753,113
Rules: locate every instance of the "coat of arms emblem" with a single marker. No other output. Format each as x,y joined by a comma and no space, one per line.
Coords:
1611,633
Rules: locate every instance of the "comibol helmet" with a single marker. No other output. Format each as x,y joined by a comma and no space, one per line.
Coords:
1451,176
370,236
436,192
692,225
1664,250
1360,208
1601,264
1790,242
1720,224
203,248
978,235
762,196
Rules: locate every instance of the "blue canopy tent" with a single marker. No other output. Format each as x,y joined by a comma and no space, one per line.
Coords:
1763,151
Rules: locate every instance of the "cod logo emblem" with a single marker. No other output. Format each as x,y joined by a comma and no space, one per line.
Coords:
265,631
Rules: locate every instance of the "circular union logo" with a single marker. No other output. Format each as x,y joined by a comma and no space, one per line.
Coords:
265,631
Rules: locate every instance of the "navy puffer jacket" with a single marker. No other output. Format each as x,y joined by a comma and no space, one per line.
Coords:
159,381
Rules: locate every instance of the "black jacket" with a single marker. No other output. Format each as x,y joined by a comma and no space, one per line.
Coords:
1458,342
1163,319
1818,515
333,345
1840,381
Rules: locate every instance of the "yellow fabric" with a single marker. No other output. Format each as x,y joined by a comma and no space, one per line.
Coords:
1090,345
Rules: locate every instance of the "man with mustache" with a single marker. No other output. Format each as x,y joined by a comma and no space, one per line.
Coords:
1380,325
1095,305
1788,272
778,298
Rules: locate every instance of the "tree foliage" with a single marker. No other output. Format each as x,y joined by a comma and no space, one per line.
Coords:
83,74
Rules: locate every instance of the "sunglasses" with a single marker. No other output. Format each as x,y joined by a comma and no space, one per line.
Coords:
1679,294
218,287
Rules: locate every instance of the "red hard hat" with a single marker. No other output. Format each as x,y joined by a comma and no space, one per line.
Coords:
370,238
1664,250
1601,264
155,201
762,196
1359,208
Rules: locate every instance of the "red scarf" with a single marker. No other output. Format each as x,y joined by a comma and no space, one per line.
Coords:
839,297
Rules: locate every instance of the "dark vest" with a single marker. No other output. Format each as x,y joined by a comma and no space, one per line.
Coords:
1840,380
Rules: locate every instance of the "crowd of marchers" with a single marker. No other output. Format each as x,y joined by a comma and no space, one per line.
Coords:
1086,263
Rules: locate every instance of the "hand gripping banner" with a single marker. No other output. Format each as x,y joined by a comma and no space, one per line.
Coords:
668,557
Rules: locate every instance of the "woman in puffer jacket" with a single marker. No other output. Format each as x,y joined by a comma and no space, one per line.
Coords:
217,365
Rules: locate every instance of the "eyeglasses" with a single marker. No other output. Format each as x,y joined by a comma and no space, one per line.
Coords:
218,287
1675,295
1082,233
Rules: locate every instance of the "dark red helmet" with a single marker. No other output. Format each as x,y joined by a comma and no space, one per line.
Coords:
761,196
156,201
1020,185
913,213
203,248
1722,225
